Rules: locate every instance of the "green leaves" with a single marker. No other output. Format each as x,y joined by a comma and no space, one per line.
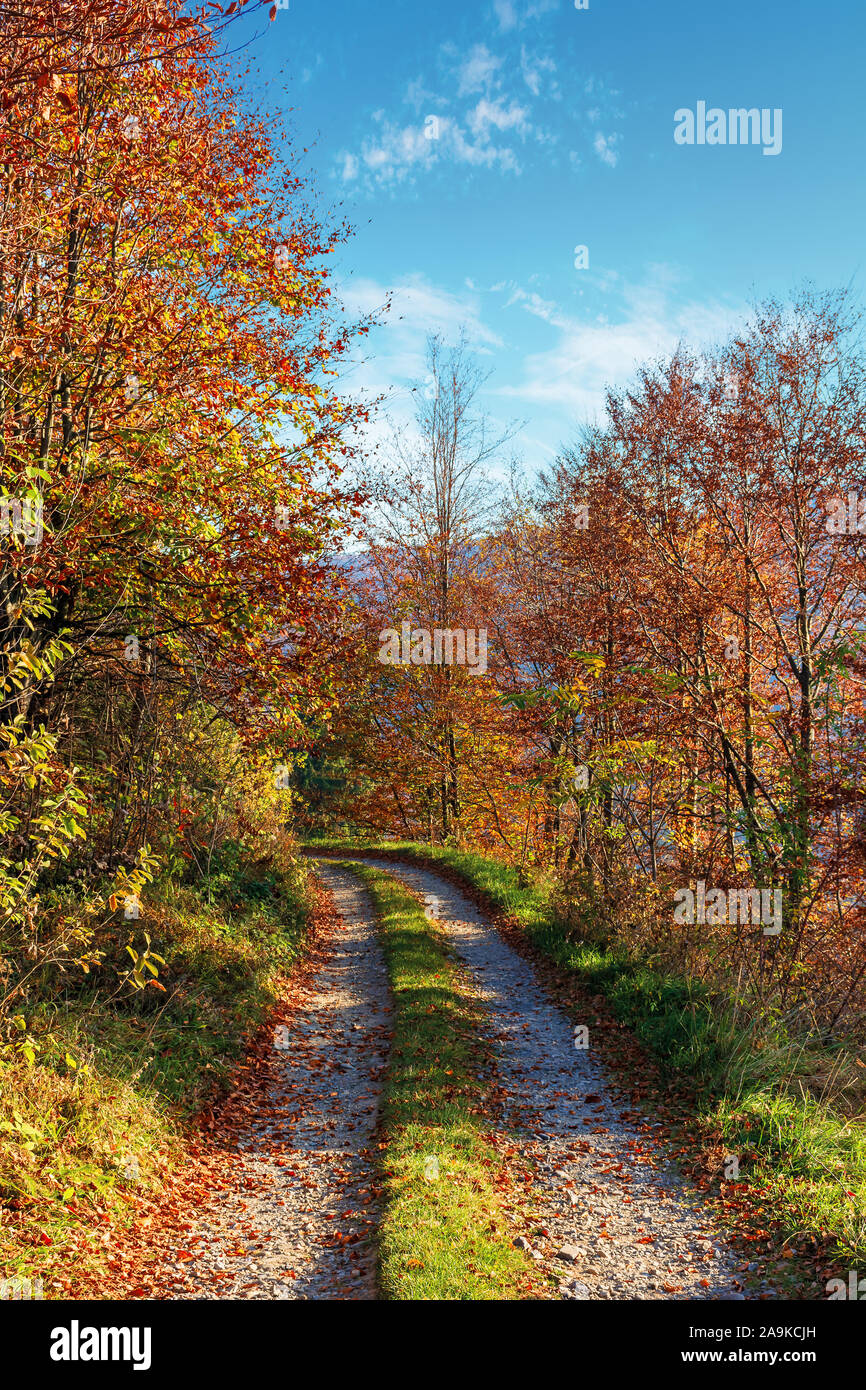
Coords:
143,965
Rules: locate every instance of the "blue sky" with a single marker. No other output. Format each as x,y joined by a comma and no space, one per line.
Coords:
555,129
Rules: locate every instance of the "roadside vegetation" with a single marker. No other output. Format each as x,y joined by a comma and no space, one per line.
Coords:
95,1105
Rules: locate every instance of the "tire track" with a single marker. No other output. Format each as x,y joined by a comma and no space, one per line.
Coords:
299,1221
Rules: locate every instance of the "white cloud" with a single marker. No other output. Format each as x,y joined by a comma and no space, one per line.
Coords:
472,118
482,152
591,354
604,148
477,72
545,309
419,97
509,15
506,13
533,67
396,360
555,387
399,147
419,308
495,114
398,152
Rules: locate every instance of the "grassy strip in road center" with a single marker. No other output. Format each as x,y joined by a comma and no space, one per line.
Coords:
444,1234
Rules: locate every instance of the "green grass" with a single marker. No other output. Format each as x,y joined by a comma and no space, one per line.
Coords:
101,1114
443,1237
791,1110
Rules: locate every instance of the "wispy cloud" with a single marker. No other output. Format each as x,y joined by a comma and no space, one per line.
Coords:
513,14
538,70
560,385
478,71
396,362
589,354
494,115
604,146
420,307
484,106
398,153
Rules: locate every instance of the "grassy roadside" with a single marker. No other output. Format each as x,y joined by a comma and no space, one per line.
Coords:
444,1234
791,1112
98,1119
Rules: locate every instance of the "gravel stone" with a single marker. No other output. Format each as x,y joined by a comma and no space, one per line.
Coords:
302,1225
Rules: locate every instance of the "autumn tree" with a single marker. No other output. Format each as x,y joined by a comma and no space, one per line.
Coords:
173,435
432,501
